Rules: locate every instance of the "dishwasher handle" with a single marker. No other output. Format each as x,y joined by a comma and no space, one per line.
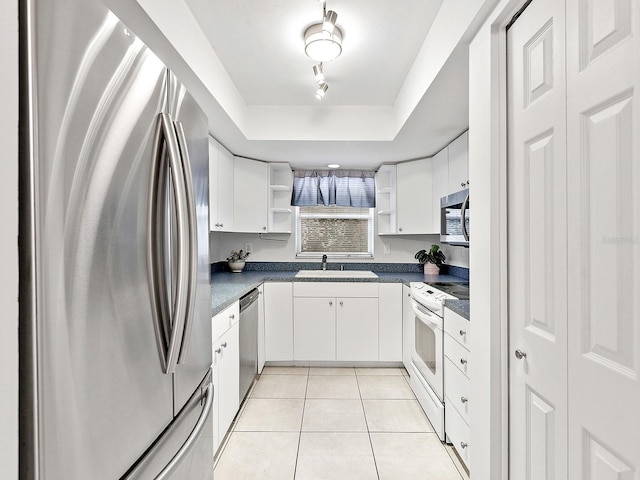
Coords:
248,299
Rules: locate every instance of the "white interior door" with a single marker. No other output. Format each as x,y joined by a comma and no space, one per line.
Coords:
537,232
603,146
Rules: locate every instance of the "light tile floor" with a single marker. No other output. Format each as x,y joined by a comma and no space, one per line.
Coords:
315,423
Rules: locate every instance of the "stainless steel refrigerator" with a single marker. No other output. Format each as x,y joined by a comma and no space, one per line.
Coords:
115,333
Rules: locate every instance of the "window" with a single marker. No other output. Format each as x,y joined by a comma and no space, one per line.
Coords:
340,231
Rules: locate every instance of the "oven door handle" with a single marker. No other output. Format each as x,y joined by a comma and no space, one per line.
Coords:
430,319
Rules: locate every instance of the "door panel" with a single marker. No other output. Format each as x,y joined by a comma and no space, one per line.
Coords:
102,395
537,242
185,110
603,146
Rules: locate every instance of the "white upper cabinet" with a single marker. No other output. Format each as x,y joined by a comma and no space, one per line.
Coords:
459,163
280,216
386,199
220,187
413,198
250,195
440,184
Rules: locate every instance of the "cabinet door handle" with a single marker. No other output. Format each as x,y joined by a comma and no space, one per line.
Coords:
341,303
463,444
464,399
463,184
218,350
232,316
400,229
264,228
463,361
462,333
224,345
520,354
330,303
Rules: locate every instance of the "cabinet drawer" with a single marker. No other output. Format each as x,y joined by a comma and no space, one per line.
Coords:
459,355
456,389
335,289
458,433
224,320
458,327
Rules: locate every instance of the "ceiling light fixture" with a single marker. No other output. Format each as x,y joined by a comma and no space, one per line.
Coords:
323,41
322,89
318,73
333,165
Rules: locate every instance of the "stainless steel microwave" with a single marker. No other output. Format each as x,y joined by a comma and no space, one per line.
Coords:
454,218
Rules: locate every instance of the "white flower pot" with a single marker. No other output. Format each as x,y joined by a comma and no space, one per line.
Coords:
431,269
236,267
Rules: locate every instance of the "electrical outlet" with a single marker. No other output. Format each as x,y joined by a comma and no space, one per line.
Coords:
387,249
248,247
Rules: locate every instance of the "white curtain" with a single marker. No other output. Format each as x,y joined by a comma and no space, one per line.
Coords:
344,188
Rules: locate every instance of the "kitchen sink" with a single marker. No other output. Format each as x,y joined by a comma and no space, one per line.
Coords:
335,274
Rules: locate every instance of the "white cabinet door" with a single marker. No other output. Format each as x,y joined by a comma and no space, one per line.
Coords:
459,163
225,189
413,197
390,322
213,185
227,348
261,350
215,412
439,183
220,188
408,319
250,195
357,329
314,330
278,321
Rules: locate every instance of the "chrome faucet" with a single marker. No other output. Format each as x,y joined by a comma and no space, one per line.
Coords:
324,262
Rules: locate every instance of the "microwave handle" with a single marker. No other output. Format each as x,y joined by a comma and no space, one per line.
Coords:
463,215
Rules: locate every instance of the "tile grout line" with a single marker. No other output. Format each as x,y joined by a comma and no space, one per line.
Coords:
364,413
304,405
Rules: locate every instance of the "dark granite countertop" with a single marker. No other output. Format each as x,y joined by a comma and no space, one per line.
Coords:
461,307
228,287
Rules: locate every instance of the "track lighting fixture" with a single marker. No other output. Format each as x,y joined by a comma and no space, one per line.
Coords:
323,43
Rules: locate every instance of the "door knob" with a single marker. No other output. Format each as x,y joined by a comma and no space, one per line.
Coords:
464,399
330,303
218,350
463,444
341,303
224,345
463,361
520,354
462,333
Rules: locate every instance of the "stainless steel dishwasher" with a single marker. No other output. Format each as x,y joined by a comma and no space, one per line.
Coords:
248,340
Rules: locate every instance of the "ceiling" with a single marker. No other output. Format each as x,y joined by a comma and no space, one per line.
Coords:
393,93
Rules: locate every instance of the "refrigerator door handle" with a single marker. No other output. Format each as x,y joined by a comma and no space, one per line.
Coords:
193,240
165,140
190,442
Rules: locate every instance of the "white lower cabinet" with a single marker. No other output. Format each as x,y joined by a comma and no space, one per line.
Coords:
390,322
357,329
278,321
314,329
335,321
457,384
408,319
226,370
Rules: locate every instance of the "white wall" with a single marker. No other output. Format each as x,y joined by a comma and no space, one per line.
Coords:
281,248
487,168
9,241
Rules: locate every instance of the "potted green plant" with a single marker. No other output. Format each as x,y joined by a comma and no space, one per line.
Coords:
236,260
432,260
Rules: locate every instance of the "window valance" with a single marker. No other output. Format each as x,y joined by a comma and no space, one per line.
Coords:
344,188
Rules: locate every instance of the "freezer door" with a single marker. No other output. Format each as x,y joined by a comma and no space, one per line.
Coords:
185,449
192,132
100,395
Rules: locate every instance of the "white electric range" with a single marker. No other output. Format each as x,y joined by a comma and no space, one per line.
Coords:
427,355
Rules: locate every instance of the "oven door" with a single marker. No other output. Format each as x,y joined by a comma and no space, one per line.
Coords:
427,352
